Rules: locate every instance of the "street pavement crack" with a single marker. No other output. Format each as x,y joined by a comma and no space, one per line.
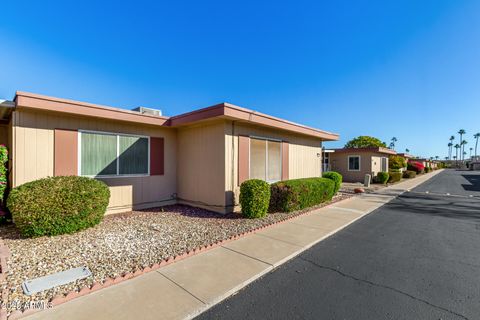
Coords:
384,287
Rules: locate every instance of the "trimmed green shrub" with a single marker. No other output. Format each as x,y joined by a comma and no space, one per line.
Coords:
254,198
427,169
395,177
3,171
58,205
382,177
297,194
396,162
409,174
336,177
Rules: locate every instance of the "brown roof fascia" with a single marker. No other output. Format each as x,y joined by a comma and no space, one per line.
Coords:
230,111
45,103
377,150
223,110
406,155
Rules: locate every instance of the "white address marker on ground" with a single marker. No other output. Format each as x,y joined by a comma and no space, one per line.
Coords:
53,280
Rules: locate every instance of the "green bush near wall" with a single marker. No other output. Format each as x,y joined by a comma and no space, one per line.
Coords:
3,171
395,177
409,174
254,198
58,205
297,194
336,177
382,177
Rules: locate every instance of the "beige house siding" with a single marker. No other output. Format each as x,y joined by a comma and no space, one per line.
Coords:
201,161
305,154
201,165
370,163
33,154
377,163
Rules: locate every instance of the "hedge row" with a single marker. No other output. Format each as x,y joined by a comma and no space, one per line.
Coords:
409,174
298,194
258,197
395,177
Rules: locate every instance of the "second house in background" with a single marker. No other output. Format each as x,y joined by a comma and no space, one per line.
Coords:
354,163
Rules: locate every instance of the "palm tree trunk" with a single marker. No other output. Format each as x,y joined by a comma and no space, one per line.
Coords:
461,152
476,144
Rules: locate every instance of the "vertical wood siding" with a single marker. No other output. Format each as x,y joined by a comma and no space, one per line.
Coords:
33,151
201,165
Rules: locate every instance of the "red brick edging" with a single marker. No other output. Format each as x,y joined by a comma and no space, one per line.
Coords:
59,299
4,255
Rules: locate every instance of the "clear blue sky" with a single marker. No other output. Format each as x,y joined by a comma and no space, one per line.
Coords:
409,69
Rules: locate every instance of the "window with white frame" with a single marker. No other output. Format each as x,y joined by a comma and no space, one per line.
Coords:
265,159
110,154
353,163
384,164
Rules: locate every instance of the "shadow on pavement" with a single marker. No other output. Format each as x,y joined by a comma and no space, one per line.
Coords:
448,207
474,179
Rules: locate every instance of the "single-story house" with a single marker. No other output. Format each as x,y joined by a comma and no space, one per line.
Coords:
198,158
354,163
407,156
423,161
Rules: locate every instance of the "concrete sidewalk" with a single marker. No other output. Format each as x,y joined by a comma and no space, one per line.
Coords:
188,287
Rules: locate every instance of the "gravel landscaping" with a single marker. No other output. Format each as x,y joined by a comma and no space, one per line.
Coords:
121,243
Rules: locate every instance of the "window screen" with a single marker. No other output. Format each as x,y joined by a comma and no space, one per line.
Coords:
354,163
133,155
104,154
265,160
258,157
99,154
384,165
274,161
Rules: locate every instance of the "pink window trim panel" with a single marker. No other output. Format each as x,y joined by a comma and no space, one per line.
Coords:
243,159
65,152
285,163
157,156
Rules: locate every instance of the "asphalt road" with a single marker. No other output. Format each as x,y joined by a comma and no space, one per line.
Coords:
417,257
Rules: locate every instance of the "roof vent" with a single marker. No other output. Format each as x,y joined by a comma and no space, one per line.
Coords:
149,111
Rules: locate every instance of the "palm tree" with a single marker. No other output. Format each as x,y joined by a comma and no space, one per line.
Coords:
464,142
407,150
447,158
457,146
471,149
476,136
452,138
437,157
461,132
450,145
392,144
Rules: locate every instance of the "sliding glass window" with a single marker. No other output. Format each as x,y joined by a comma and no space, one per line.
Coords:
106,154
265,159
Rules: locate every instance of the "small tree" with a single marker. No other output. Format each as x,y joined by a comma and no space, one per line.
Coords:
396,162
365,142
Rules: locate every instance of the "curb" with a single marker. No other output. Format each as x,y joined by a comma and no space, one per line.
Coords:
60,299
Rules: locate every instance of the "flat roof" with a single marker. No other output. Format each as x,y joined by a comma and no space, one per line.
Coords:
406,155
26,100
370,149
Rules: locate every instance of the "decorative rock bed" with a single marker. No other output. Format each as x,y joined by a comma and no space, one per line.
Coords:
121,244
